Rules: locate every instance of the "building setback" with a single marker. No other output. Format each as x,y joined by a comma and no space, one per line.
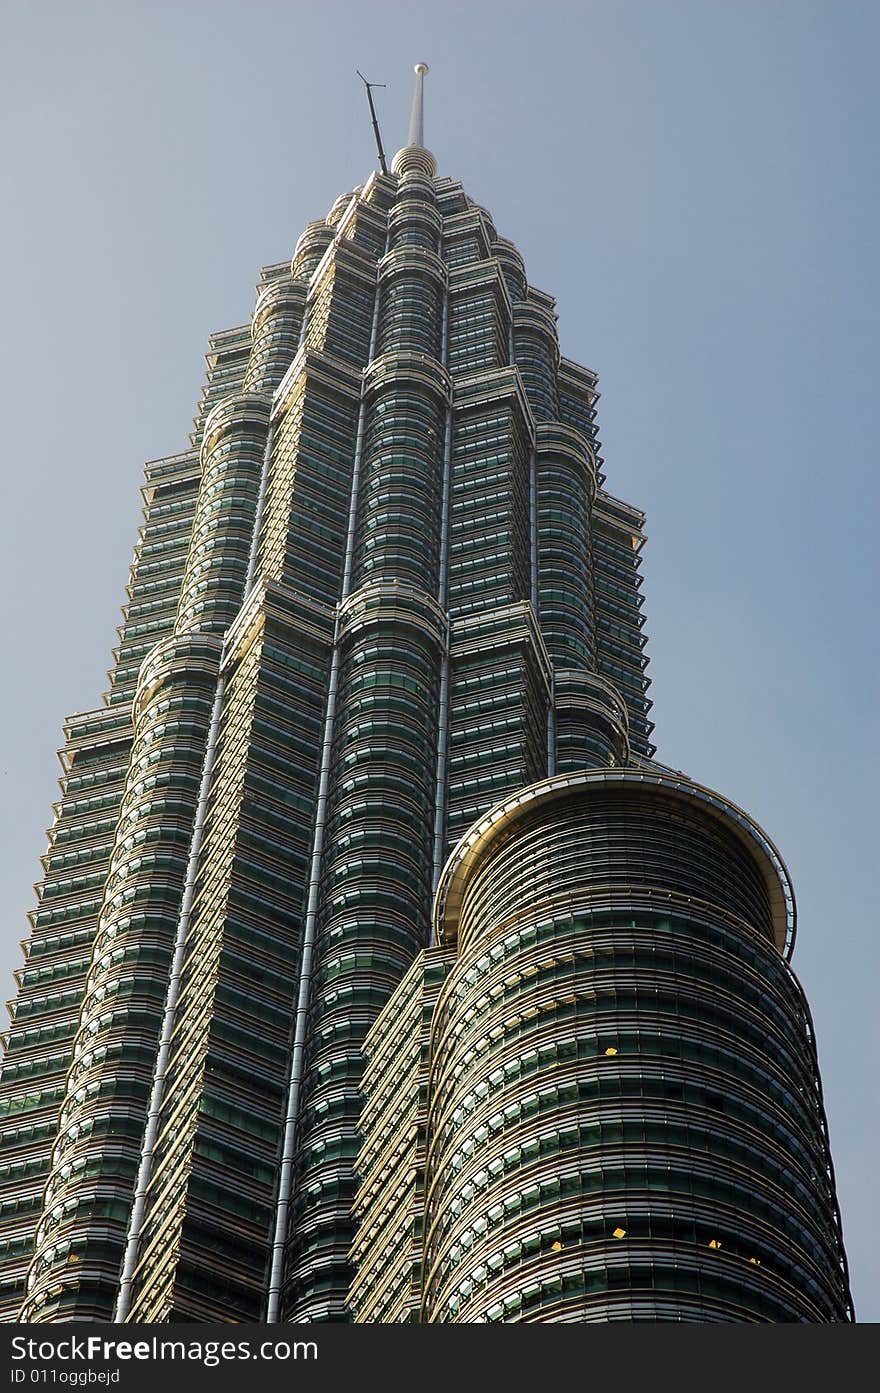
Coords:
374,779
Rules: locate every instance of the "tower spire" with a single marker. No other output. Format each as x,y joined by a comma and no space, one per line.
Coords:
417,118
414,157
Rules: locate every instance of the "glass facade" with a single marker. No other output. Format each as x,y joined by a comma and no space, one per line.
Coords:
384,593
606,1107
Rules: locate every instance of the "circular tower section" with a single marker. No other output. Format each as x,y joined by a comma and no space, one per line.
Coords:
626,1119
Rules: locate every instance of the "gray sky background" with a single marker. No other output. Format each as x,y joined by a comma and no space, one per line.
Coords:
697,182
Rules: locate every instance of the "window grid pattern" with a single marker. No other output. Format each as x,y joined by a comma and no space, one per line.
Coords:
153,590
372,922
45,1014
565,487
217,561
617,540
227,360
590,722
523,606
489,548
136,897
275,333
390,1200
302,539
124,992
377,866
340,306
479,319
398,524
410,307
499,699
221,1130
536,351
624,1119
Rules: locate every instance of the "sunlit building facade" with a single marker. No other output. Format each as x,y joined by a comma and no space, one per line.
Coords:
373,784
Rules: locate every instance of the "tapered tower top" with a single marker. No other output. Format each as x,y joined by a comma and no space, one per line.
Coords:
414,156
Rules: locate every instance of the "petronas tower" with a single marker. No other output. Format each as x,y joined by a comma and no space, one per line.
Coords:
379,972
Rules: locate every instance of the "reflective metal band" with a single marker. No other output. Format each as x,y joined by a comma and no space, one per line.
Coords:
553,438
476,841
275,299
176,655
529,316
505,627
408,259
497,384
310,248
393,368
386,603
414,160
577,686
443,702
512,266
239,409
414,207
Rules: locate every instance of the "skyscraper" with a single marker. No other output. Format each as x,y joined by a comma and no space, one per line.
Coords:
375,772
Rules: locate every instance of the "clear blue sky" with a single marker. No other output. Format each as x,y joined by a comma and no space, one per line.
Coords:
696,182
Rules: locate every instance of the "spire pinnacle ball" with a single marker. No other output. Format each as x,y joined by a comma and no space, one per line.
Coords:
421,69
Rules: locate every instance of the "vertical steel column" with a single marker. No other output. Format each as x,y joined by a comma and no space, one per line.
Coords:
443,705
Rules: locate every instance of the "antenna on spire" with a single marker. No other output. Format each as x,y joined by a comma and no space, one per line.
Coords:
369,86
417,119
